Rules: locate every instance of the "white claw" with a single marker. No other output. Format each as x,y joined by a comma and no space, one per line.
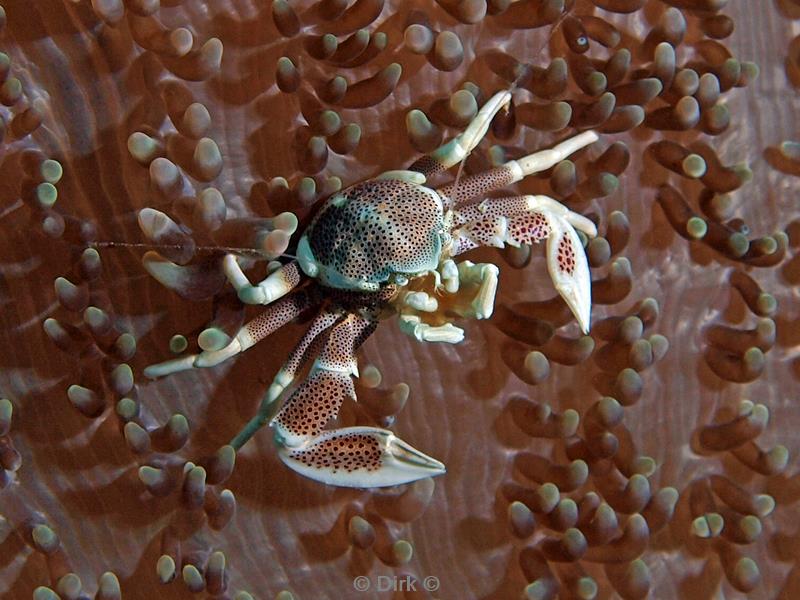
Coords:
413,326
398,461
449,272
421,301
485,276
574,286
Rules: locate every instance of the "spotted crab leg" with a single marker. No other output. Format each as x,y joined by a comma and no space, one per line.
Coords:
528,219
277,284
474,186
273,318
455,150
351,456
309,345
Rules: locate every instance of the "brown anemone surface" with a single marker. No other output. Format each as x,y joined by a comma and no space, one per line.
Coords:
655,457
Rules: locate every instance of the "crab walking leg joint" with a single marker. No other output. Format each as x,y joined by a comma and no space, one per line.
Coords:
388,246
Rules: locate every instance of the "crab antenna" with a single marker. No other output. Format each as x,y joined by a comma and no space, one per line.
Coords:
236,249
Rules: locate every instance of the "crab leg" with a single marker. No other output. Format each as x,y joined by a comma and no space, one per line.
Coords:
512,171
277,284
351,456
309,344
528,219
455,150
273,318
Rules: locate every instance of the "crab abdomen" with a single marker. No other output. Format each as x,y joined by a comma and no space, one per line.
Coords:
371,231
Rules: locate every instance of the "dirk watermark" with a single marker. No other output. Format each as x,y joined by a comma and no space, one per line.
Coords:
395,583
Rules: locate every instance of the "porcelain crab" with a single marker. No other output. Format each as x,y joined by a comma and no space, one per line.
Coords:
357,261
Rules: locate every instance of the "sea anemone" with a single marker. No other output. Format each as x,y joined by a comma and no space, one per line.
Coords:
653,457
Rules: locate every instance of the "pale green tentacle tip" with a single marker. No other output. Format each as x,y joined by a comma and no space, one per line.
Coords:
746,572
586,588
334,183
790,149
750,70
127,409
708,525
165,568
694,166
91,254
538,590
283,595
644,465
536,366
142,147
738,244
329,122
69,586
778,458
6,410
306,190
216,562
569,424
371,376
109,584
247,596
212,339
45,538
150,476
46,194
192,577
95,317
751,527
497,155
122,378
765,504
286,221
402,551
285,63
521,518
418,122
550,495
44,593
178,424
178,343
463,104
51,171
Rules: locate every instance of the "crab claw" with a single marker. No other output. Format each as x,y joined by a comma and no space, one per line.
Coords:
360,457
569,270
